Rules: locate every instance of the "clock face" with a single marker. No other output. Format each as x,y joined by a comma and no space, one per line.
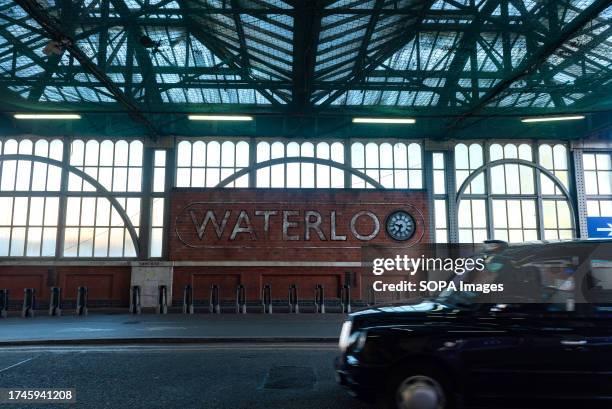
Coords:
400,225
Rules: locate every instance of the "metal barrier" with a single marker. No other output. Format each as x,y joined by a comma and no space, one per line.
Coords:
135,307
188,299
162,299
55,301
345,298
4,302
293,299
214,306
81,304
371,300
266,299
240,299
29,302
319,299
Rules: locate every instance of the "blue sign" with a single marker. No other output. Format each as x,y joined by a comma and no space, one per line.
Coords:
599,227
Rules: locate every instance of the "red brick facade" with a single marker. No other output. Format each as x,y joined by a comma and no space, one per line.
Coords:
256,256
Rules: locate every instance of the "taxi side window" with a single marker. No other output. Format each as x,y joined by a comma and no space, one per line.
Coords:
599,286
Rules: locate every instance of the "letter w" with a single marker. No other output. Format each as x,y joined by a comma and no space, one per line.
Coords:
210,216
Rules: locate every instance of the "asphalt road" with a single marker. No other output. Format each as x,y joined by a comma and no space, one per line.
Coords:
181,376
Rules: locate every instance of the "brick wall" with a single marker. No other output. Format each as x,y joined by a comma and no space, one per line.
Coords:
266,257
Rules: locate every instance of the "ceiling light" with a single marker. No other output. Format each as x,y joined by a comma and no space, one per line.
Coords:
47,116
383,120
551,118
220,118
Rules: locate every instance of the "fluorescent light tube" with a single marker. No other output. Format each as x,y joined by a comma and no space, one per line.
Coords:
47,116
384,120
220,118
551,118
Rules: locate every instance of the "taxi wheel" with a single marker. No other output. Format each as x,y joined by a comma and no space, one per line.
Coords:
425,388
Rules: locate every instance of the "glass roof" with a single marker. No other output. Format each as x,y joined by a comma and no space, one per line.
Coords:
185,54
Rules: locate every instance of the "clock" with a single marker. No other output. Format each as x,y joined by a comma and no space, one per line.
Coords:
400,225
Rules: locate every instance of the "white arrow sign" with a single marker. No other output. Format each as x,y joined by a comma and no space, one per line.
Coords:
608,229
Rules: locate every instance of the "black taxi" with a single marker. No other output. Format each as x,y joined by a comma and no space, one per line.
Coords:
550,346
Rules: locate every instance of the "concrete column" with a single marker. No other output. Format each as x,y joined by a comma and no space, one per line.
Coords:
149,276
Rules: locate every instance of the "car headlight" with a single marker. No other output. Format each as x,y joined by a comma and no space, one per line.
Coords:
347,339
345,335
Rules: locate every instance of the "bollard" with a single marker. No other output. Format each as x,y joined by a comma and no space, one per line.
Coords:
135,300
240,299
345,298
188,299
371,297
29,302
293,299
319,299
81,304
4,302
55,302
266,299
214,307
162,299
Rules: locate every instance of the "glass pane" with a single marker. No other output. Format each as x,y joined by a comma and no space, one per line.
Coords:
103,212
134,179
546,156
307,150
71,242
34,241
119,179
386,155
9,169
183,154
48,242
91,153
242,154
500,219
183,177
37,211
414,156
156,242
20,211
121,153
337,152
39,176
227,152
88,207
56,149
159,179
24,168
357,155
461,157
73,211
160,158
198,157
101,242
560,153
106,153
157,214
478,210
371,155
135,153
17,241
6,203
263,151
51,211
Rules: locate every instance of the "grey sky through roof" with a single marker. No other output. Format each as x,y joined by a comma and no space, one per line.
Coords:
453,57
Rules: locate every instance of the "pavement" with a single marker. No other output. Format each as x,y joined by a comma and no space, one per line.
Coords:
232,376
177,328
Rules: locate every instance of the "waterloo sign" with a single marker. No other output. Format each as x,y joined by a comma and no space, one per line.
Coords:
298,221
